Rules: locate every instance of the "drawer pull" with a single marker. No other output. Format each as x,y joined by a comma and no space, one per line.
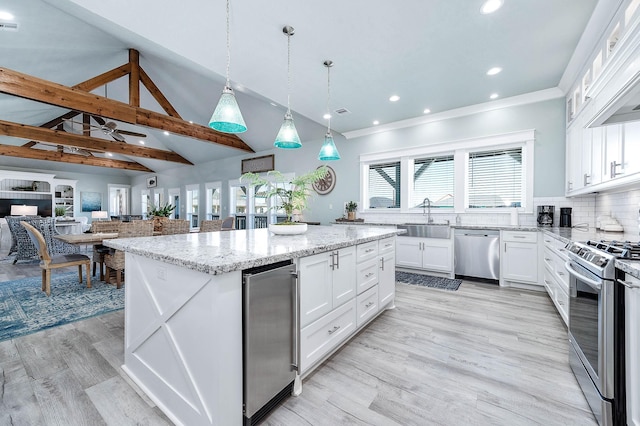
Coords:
519,236
335,328
368,305
561,273
547,259
370,274
560,302
368,250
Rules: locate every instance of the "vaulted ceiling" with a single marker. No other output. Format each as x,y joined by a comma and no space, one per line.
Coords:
431,53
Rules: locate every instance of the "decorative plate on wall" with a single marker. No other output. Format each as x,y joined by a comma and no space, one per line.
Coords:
326,185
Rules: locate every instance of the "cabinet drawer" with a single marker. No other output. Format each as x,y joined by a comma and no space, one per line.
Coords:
319,338
367,274
367,305
366,251
520,237
387,245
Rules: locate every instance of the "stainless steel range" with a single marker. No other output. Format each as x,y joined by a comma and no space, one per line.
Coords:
596,325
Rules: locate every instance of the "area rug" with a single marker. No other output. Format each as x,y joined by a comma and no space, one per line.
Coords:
25,308
428,281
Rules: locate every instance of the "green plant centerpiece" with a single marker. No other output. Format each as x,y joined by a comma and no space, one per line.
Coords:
291,195
159,215
162,211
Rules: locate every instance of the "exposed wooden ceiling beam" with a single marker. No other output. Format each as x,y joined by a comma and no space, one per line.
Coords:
157,94
87,142
104,78
40,154
134,78
28,87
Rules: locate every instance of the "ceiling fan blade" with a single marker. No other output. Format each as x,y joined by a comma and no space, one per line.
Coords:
126,132
117,136
98,120
80,124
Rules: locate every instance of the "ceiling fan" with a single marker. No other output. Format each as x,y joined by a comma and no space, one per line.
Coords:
110,128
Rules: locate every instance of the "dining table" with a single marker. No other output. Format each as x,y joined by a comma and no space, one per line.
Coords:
86,239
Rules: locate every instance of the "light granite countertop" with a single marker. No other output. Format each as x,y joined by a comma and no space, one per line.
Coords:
220,252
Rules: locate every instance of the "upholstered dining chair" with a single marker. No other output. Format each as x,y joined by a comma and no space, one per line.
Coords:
114,260
211,225
228,223
48,262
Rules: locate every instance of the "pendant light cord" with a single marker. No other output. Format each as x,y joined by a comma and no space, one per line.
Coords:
288,73
228,46
328,98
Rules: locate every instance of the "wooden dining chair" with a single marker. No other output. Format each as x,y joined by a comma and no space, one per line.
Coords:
48,262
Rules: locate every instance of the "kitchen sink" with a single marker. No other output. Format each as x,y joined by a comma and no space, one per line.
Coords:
426,230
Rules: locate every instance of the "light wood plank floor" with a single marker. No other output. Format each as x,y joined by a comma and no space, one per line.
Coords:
479,356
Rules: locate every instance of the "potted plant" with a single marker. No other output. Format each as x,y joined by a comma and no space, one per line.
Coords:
60,211
160,214
291,195
351,207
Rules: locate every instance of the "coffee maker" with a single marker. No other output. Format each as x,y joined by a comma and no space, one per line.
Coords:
565,217
545,215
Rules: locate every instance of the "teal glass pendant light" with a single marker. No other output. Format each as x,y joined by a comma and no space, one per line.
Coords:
288,135
227,117
328,152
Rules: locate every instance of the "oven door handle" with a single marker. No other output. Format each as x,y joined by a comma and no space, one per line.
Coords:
569,267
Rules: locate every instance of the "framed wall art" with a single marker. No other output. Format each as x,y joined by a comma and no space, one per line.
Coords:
91,201
152,182
258,164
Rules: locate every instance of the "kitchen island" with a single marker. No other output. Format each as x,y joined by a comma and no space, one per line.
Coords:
183,310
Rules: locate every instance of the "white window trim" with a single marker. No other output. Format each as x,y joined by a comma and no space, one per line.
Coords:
207,186
188,213
172,192
460,150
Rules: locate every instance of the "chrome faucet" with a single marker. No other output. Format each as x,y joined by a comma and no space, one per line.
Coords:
426,204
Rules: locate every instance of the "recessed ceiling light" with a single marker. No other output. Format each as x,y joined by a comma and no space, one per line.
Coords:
376,122
494,71
273,104
493,96
166,133
426,111
6,16
109,154
190,122
141,142
491,6
326,116
394,98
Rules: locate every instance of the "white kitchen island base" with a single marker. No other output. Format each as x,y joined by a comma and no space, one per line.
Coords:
183,340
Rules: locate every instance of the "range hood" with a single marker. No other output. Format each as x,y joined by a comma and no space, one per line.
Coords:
623,107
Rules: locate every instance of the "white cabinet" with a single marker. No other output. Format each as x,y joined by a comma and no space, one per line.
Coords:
322,336
554,275
433,254
519,260
387,272
326,281
367,306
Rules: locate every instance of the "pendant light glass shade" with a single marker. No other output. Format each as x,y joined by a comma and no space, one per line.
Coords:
328,152
288,135
227,117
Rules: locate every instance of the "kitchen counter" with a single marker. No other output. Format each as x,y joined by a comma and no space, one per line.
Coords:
222,252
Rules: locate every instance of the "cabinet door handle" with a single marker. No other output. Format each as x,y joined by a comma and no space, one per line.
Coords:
561,273
334,329
337,260
505,247
586,179
370,274
382,261
388,245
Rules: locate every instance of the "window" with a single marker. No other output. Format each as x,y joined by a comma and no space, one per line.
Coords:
145,200
193,195
213,200
495,179
384,185
174,199
433,178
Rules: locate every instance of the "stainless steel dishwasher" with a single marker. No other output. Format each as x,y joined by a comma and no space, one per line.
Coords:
477,253
270,347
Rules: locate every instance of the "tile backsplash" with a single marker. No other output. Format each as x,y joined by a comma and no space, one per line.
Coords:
623,206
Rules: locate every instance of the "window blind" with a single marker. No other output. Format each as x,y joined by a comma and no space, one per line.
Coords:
433,178
495,178
384,185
